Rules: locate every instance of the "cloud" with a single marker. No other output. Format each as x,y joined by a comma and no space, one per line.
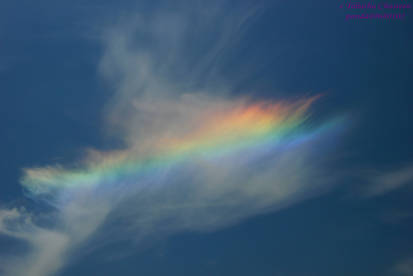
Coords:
194,156
404,267
48,245
381,183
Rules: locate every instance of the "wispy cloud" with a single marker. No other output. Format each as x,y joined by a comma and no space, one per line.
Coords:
381,183
403,268
46,245
194,157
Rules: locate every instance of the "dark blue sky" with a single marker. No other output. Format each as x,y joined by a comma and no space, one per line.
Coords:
53,101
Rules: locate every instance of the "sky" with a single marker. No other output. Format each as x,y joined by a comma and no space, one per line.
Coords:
204,138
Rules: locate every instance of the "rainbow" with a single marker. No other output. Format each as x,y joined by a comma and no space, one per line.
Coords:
224,133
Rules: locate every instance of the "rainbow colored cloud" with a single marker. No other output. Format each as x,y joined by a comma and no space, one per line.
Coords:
222,132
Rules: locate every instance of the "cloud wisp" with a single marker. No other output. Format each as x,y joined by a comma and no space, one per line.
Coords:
403,268
193,158
381,183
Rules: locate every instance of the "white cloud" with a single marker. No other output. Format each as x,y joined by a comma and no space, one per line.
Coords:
161,92
404,267
381,183
46,246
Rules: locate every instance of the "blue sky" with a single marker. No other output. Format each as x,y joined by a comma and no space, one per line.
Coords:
81,81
